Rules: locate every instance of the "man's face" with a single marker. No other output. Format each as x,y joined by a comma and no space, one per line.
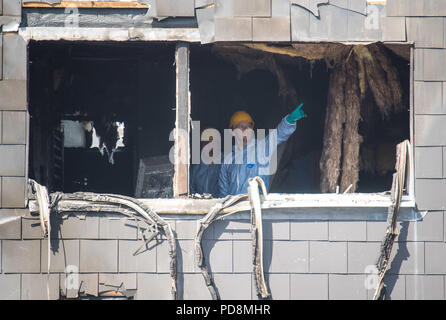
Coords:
239,134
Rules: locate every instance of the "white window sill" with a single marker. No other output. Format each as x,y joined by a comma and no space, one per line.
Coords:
359,206
322,207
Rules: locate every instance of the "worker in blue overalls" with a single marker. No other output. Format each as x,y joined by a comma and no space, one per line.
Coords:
204,175
234,175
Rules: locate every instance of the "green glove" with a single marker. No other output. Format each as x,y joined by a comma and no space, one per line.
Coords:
297,114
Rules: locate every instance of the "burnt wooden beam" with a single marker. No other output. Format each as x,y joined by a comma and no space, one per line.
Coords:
182,124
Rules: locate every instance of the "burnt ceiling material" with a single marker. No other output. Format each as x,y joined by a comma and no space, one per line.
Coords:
101,18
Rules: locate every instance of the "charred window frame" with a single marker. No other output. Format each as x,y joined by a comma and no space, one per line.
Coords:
182,123
184,111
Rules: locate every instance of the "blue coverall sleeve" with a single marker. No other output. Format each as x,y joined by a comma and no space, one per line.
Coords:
285,130
223,181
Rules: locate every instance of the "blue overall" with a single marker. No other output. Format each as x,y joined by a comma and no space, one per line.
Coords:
233,178
204,178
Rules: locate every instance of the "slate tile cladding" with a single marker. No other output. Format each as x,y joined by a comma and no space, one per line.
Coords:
290,265
13,115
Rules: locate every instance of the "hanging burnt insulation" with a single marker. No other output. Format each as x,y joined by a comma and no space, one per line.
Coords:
245,60
352,139
74,202
203,224
256,234
333,132
364,68
383,262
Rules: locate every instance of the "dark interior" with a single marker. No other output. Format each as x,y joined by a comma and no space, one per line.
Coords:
218,90
104,83
134,83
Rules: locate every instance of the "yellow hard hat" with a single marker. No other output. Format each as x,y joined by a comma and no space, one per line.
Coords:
238,117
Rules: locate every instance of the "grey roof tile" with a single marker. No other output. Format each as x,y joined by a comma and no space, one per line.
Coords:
429,194
252,8
428,98
233,29
332,24
98,256
346,287
203,3
13,191
271,29
34,287
9,165
429,162
300,24
11,228
13,95
426,32
14,127
224,8
435,8
14,57
10,284
393,28
357,5
359,30
45,1
434,65
308,286
310,5
20,256
430,130
401,8
173,8
418,64
280,8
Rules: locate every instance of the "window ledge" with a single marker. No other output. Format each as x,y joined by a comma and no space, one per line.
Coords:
323,207
359,206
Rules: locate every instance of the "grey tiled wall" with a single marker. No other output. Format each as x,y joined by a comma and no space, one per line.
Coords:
13,114
330,266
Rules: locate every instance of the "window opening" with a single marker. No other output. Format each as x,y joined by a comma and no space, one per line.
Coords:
270,81
98,110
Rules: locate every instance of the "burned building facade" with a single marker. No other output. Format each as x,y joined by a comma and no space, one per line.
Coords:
91,91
